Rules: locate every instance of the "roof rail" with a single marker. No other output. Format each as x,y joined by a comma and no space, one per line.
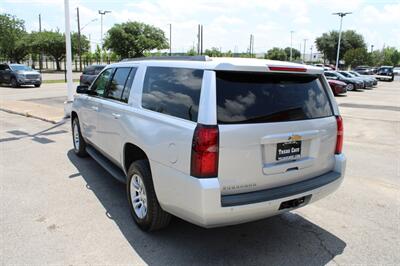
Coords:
174,58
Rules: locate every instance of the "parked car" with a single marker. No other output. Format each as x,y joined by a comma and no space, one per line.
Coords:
396,70
213,141
385,73
338,87
90,73
354,83
370,78
17,75
367,82
364,70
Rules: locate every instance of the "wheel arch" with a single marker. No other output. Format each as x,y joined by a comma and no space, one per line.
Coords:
132,153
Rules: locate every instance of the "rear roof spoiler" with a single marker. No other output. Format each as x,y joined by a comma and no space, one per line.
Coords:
168,58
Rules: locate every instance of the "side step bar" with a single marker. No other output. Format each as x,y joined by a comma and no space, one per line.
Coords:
114,170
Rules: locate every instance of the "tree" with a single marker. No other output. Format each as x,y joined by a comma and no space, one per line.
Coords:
85,44
213,52
295,53
328,42
13,41
51,43
191,52
356,57
132,39
276,54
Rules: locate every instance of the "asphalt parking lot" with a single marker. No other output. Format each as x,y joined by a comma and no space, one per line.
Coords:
56,208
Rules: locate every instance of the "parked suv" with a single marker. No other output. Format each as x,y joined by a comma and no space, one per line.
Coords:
17,74
213,141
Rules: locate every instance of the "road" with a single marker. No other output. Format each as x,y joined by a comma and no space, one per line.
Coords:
56,208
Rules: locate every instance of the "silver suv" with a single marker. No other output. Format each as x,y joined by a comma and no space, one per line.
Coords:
213,141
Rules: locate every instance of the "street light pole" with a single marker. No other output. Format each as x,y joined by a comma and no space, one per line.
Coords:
341,15
304,50
291,44
102,13
70,96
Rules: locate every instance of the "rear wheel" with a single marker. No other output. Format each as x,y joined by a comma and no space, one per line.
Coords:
79,142
145,209
14,83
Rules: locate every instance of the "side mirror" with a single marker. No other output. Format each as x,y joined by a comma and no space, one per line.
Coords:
82,89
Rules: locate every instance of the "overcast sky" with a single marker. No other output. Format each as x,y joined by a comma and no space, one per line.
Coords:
227,23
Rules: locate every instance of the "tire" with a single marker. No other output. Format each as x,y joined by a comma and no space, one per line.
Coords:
148,214
37,85
77,139
14,83
350,87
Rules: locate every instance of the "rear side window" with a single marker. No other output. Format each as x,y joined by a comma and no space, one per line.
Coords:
97,70
263,97
128,85
173,91
88,70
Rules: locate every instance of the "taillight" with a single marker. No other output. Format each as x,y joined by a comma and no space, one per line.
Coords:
339,139
205,146
289,69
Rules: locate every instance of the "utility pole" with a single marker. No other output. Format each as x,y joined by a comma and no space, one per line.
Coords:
291,44
70,97
201,37
40,54
304,50
311,53
341,15
102,13
79,40
251,42
372,48
170,39
198,39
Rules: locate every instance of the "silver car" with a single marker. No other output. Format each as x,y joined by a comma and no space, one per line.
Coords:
214,141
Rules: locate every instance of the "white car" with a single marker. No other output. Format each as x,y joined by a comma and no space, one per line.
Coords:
214,141
396,70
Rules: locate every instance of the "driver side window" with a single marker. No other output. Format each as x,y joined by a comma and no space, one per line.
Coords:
101,82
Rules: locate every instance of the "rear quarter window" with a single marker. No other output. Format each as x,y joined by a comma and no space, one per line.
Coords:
263,97
173,91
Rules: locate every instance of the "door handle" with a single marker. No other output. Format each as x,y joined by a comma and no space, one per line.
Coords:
94,108
116,116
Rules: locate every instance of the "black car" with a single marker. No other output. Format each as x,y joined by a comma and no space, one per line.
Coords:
385,73
17,74
353,83
89,74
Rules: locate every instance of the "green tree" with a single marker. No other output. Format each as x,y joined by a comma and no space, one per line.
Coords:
213,52
133,39
276,54
85,44
191,52
51,43
356,57
14,38
295,53
328,42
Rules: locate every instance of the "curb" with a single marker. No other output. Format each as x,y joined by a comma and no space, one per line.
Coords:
27,114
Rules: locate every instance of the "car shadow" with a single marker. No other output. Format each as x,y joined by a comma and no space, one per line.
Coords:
287,239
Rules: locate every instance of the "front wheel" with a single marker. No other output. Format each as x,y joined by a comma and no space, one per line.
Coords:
14,83
145,209
350,87
79,142
37,85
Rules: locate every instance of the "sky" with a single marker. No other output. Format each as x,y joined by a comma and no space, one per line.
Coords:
227,24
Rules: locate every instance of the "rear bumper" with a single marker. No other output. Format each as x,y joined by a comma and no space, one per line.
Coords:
199,200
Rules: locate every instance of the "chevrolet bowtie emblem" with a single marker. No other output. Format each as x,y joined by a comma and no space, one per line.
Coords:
295,138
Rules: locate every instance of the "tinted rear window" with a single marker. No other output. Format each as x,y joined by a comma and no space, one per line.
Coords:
263,97
173,91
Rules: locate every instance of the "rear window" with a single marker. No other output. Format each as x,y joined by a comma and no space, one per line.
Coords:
263,97
173,91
